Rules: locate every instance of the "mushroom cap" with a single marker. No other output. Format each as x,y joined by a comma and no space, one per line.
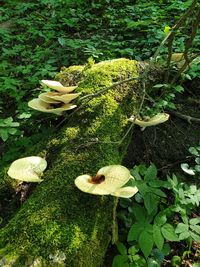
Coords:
42,106
58,86
157,119
115,177
82,182
65,98
125,192
44,97
28,169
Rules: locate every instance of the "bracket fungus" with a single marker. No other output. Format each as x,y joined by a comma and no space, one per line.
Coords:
58,86
29,169
56,101
157,119
57,97
55,108
109,180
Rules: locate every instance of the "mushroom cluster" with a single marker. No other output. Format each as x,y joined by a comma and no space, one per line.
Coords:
109,180
29,169
56,101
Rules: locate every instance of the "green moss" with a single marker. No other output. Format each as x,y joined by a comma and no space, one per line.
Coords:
57,216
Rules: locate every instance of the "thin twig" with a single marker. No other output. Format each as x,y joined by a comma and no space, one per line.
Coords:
188,45
184,117
172,34
105,89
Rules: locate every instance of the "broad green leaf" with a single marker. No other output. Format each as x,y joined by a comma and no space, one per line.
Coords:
195,228
194,151
8,120
194,221
197,160
197,168
158,192
151,173
195,237
12,130
169,232
181,227
122,248
159,183
135,231
135,174
157,236
150,202
120,261
138,211
142,169
61,41
142,187
4,134
146,243
14,124
160,218
184,235
179,89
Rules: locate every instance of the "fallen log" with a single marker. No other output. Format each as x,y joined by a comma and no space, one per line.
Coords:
58,225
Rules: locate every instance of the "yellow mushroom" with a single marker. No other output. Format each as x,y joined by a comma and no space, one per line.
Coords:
125,192
29,169
157,119
42,106
65,98
58,86
44,97
107,180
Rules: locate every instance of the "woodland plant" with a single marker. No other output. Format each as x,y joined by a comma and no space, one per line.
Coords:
153,222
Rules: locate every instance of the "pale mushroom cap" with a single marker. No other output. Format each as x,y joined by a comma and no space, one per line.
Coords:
58,86
28,169
65,98
82,182
115,177
125,192
44,97
42,106
157,119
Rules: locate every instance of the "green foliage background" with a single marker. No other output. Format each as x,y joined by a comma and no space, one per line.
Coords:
39,37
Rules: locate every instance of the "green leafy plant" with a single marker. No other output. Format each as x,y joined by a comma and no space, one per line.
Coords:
151,223
8,127
128,257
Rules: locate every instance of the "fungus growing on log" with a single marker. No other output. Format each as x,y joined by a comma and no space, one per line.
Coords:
108,181
54,102
29,169
58,86
56,108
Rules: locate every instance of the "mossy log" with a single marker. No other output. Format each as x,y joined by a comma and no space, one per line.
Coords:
59,225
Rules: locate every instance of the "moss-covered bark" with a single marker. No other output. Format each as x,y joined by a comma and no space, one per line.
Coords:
58,219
